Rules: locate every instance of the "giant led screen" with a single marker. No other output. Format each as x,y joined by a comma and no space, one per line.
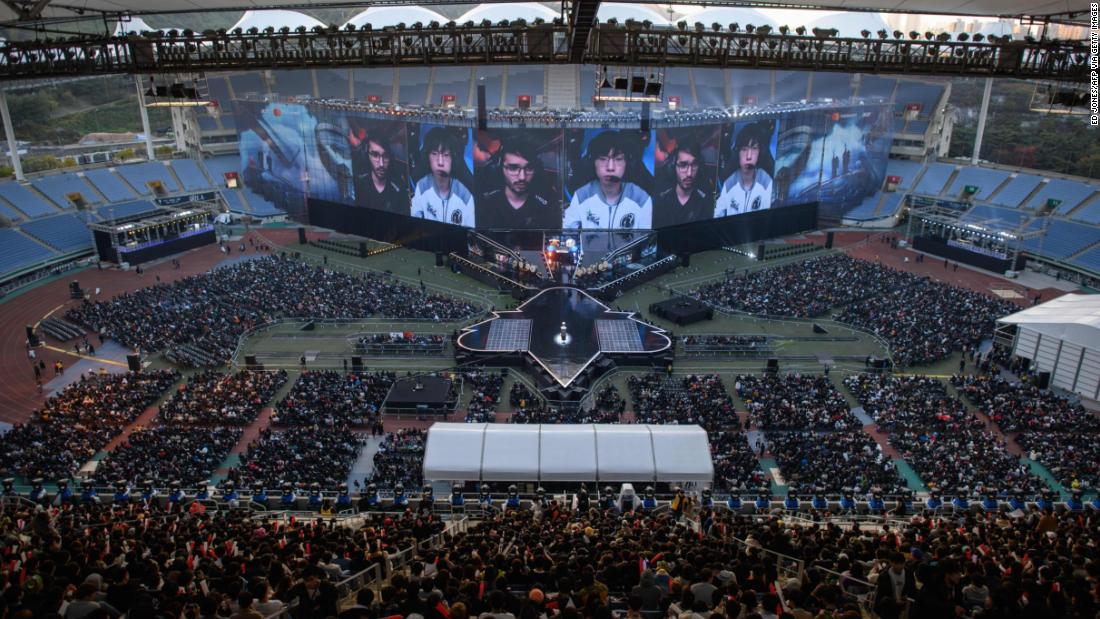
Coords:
574,178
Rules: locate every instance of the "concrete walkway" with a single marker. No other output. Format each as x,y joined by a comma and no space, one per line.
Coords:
364,465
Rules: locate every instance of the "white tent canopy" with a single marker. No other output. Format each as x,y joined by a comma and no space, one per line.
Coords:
1062,337
585,452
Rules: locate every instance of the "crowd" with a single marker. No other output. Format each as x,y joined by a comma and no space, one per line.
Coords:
693,399
735,465
300,455
91,561
1018,407
484,389
899,403
164,454
378,343
965,462
833,462
74,425
213,398
804,289
794,402
1072,457
329,398
400,459
210,311
926,321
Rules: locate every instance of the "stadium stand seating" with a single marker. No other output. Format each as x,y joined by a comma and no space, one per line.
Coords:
935,177
522,80
829,87
1071,194
125,209
876,86
140,174
190,175
456,81
414,86
1089,213
985,179
25,200
9,213
1063,239
985,212
218,166
235,202
18,250
889,205
65,233
208,123
228,122
790,85
110,185
919,127
710,87
218,90
1089,260
1016,191
57,188
912,91
294,82
866,209
678,84
332,83
908,170
376,82
247,83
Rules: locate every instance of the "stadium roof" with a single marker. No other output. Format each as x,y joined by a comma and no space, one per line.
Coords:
567,452
1072,317
30,10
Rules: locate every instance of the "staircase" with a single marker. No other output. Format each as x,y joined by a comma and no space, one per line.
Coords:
61,330
562,86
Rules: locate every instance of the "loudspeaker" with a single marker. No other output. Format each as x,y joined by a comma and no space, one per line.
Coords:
828,240
357,363
645,116
32,339
133,362
439,259
685,260
74,290
250,361
760,251
309,326
482,118
301,236
819,329
1043,381
362,249
772,367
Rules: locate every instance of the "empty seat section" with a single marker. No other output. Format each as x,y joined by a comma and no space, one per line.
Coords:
1069,193
1062,239
1090,259
9,213
523,80
747,84
1012,218
985,179
1016,191
332,83
890,205
247,83
110,185
294,82
125,209
18,251
927,95
876,86
414,86
218,166
710,86
65,233
493,77
139,175
456,81
218,89
935,177
790,85
374,83
25,200
208,123
233,199
907,170
190,175
919,127
831,86
59,186
677,84
865,209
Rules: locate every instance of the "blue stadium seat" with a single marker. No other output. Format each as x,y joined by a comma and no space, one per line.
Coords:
1011,217
985,179
59,186
790,85
493,76
524,80
65,233
374,82
876,86
677,84
25,200
236,204
935,177
414,86
1089,260
909,91
140,174
906,169
1016,191
830,86
747,83
866,209
294,82
246,83
456,81
9,213
332,83
190,175
710,86
208,123
1063,239
919,127
1071,193
218,89
218,166
890,205
125,209
110,185
18,251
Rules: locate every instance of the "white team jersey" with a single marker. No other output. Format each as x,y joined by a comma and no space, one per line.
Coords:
587,209
734,199
457,208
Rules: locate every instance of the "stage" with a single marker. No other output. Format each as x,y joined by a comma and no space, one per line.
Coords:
682,310
591,329
424,394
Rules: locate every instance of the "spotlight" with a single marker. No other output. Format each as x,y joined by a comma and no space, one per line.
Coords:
914,35
898,34
801,30
963,37
978,37
784,30
865,33
882,34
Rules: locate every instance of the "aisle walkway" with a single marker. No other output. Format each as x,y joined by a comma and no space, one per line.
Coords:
364,465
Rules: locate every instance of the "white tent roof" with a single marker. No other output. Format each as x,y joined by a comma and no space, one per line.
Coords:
276,19
1072,317
623,12
588,452
384,16
511,12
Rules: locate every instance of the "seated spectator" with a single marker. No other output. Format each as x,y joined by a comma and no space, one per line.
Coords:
300,455
213,398
400,460
833,462
331,398
794,402
169,453
694,399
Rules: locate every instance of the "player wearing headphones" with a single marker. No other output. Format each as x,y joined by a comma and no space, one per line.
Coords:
440,196
685,199
749,188
609,202
519,201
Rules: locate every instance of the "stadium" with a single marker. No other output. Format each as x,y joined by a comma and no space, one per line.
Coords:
530,310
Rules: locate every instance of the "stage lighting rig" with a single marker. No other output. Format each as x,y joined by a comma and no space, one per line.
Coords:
629,84
176,91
